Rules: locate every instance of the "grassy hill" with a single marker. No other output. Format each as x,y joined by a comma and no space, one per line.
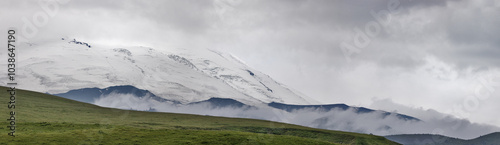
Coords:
47,119
428,139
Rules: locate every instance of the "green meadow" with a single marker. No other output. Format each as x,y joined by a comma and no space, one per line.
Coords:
47,119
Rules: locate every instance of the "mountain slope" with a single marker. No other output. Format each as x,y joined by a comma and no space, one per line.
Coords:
174,74
89,95
44,119
222,103
489,139
424,139
343,107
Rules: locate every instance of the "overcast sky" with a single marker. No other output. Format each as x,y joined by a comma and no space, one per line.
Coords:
420,54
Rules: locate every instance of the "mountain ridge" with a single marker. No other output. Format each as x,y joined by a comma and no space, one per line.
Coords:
89,95
171,73
329,107
48,119
422,139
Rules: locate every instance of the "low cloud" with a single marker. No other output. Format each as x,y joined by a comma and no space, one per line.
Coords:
126,101
343,120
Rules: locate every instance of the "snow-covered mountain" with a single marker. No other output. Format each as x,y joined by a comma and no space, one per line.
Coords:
175,74
194,81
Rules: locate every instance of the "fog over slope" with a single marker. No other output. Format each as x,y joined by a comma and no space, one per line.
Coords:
335,119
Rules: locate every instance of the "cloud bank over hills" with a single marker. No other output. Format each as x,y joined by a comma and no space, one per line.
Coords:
335,119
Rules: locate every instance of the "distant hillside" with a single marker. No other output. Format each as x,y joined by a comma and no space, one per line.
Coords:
88,95
223,103
428,139
47,119
489,139
328,107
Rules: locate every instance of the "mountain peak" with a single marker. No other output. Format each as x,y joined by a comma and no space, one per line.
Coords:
175,74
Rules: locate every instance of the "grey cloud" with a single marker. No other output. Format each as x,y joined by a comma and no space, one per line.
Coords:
325,12
473,31
190,16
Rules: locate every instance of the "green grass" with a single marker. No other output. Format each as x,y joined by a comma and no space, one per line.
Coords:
46,119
